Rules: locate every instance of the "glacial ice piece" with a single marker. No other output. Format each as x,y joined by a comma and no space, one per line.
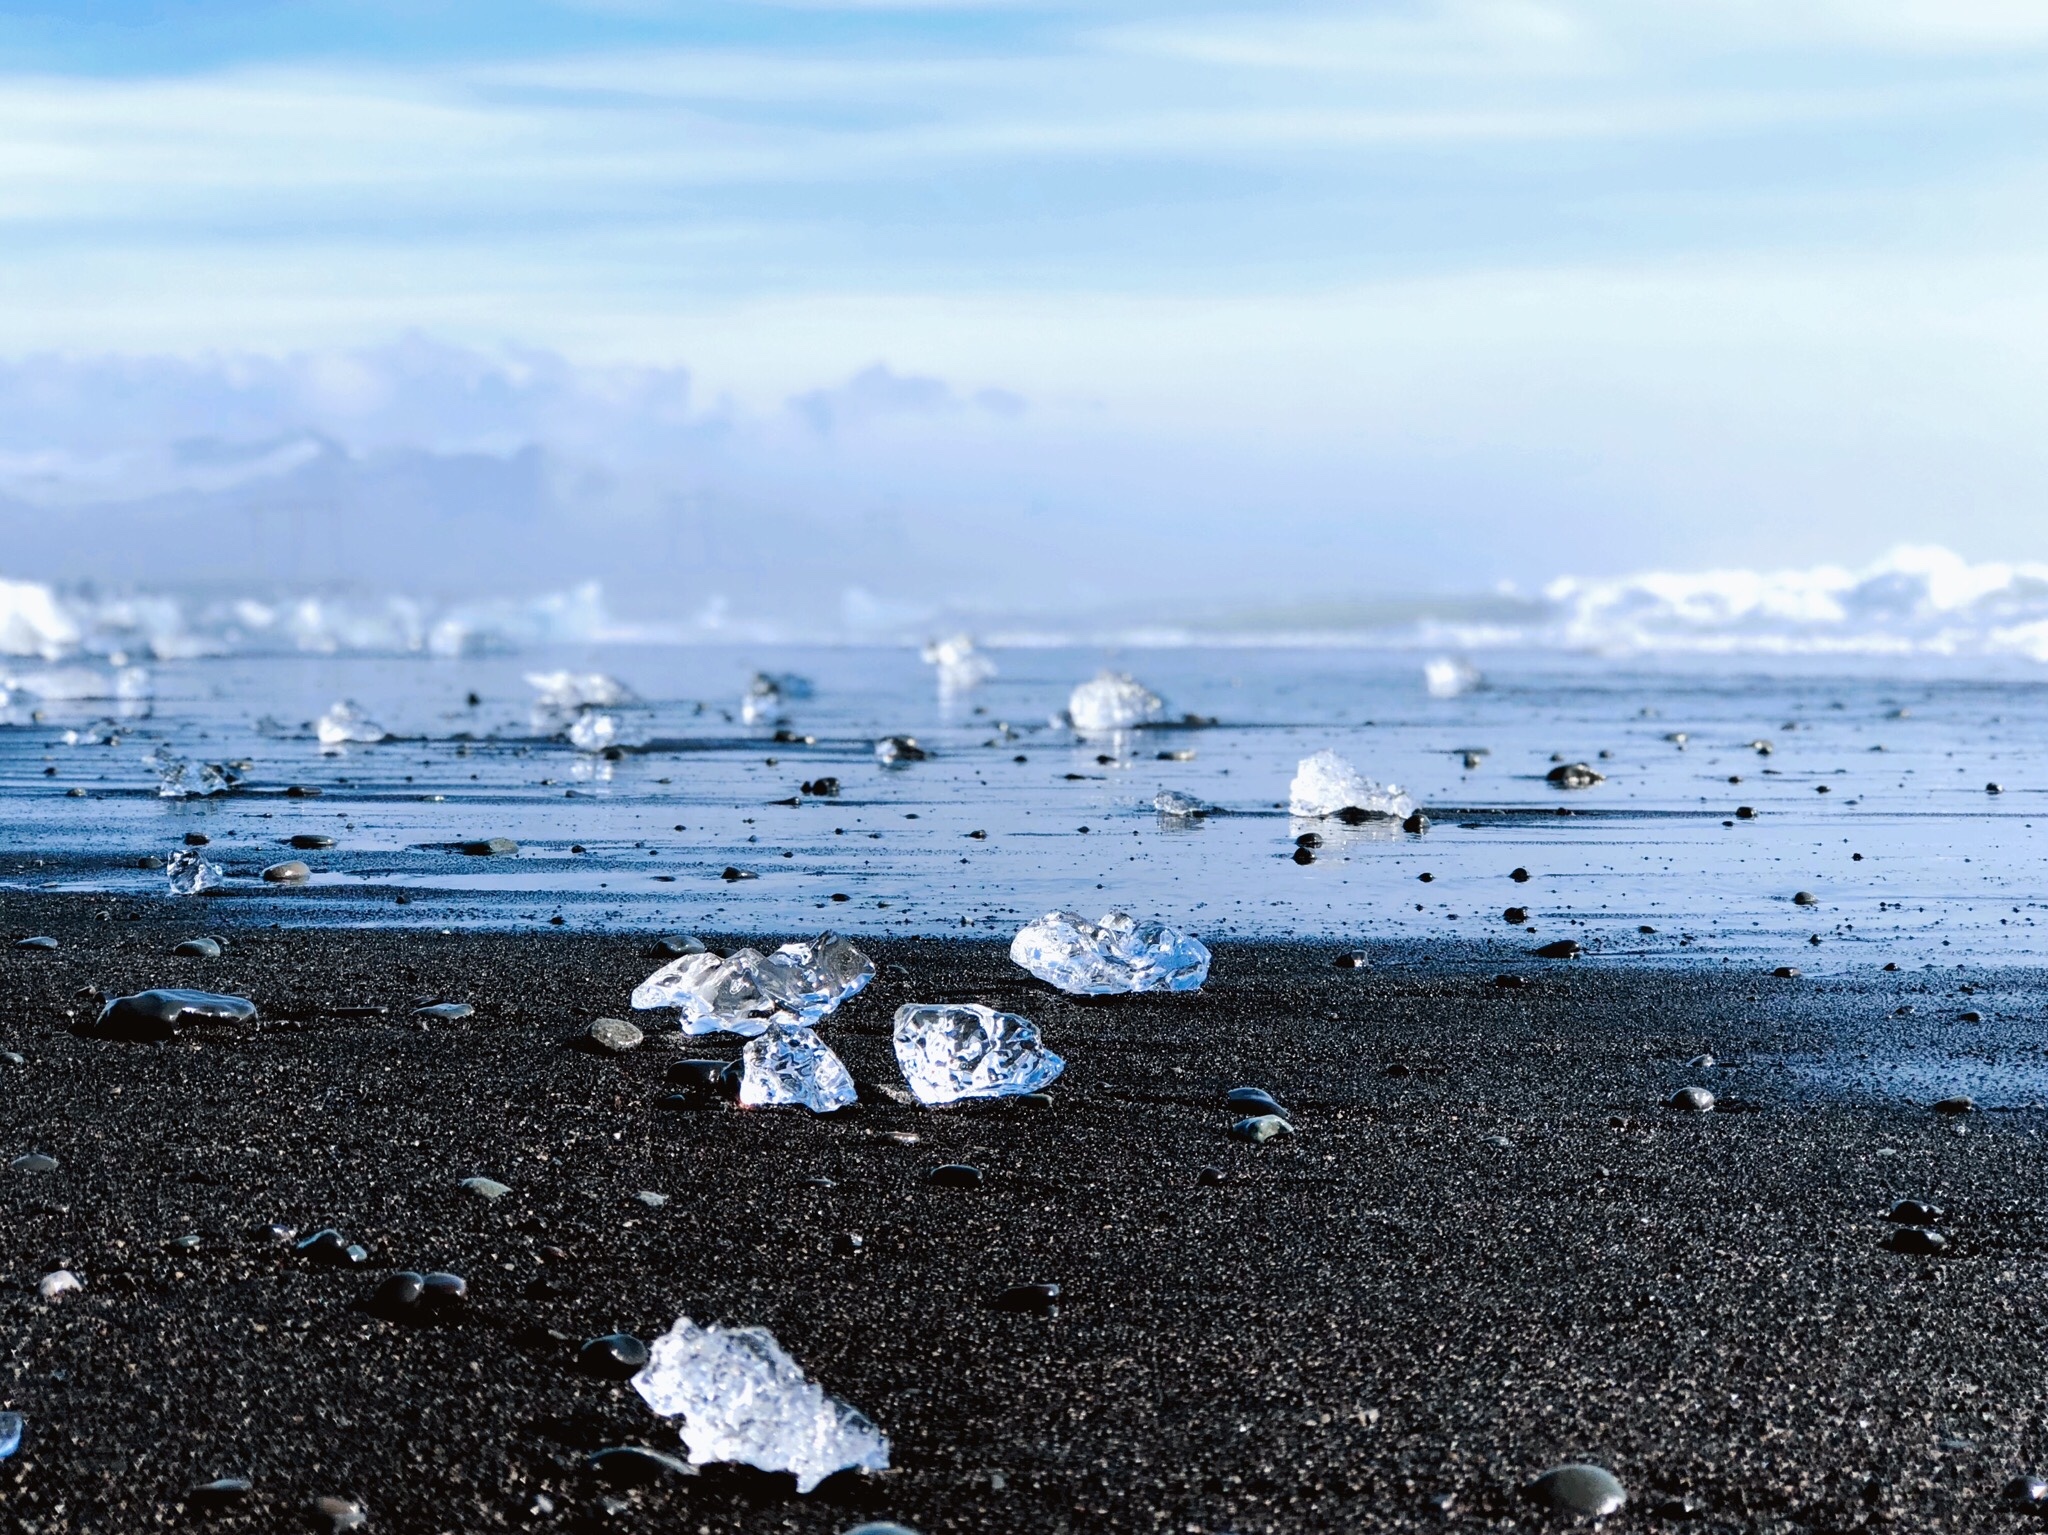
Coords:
178,779
100,732
593,732
1115,954
1183,806
767,691
1326,784
949,1051
1113,701
743,1399
578,690
1447,677
346,724
190,873
11,1427
960,665
790,1067
743,994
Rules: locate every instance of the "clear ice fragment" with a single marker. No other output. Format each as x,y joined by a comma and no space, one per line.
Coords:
1113,701
960,665
950,1051
1447,677
178,779
578,690
743,994
1116,954
593,732
1326,784
11,1428
789,1067
743,1399
1174,803
766,692
190,873
346,724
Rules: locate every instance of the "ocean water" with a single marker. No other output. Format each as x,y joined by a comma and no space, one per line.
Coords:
1871,794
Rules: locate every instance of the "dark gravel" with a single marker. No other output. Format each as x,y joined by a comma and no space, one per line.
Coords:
1385,1322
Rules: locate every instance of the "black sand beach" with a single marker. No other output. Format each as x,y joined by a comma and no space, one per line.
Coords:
1391,1321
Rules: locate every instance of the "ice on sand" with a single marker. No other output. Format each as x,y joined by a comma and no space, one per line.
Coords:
960,666
742,1398
178,779
346,724
190,873
767,692
578,690
593,732
743,994
1326,784
1447,677
1113,701
950,1051
1174,803
1115,954
789,1067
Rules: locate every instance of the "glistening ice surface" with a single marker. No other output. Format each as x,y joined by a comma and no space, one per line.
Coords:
1902,748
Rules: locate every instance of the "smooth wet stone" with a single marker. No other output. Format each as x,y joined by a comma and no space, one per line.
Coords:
712,1078
884,1526
292,871
1253,1100
2030,1492
1211,1177
615,1356
1563,948
34,1162
1031,1299
1973,1016
311,842
12,1426
442,1292
35,943
341,1514
1035,1100
1574,775
633,1465
197,948
13,1057
1585,1492
444,1012
1918,1240
1691,1100
1915,1212
1805,898
1303,855
1357,959
396,1297
155,1015
677,947
1260,1128
614,1035
1416,823
847,1244
488,847
1786,972
330,1249
1961,1104
197,839
487,1189
1515,915
954,1175
221,1492
1509,982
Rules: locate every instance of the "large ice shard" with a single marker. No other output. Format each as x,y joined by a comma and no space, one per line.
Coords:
593,731
578,690
743,1399
178,779
1447,677
1326,784
949,1051
190,873
960,665
1116,954
744,993
346,724
1171,802
1113,701
789,1067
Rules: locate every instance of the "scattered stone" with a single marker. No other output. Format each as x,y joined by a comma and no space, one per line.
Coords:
1786,972
1805,898
1253,1100
1416,823
1033,1299
222,1492
1519,876
1745,812
291,872
2029,1492
1515,915
1915,1212
954,1175
1961,1104
1563,948
1973,1016
847,1244
1356,959
1691,1100
34,1162
330,1249
1260,1128
1992,788
1585,1492
633,1465
311,842
488,847
1303,856
1701,1063
341,1514
614,1035
1917,1240
35,943
58,1284
615,1356
197,839
151,1016
676,948
1509,982
1210,1177
730,874
894,749
444,1012
1035,1100
197,948
1574,775
488,1189
709,1078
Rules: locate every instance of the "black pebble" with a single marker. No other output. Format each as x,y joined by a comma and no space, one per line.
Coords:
1253,1100
1915,1212
330,1249
396,1297
846,1244
2027,1492
1519,876
1304,855
196,839
311,842
1355,960
1035,1299
1515,914
1417,823
1916,1239
615,1356
1308,839
676,948
1564,948
632,1465
719,1078
954,1175
1509,982
1210,1177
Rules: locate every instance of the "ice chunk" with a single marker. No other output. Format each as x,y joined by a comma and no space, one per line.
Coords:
11,1427
1326,784
766,692
950,1051
1447,677
190,873
1174,803
578,690
743,994
1116,954
790,1067
593,732
960,665
346,724
742,1398
1113,701
178,779
98,733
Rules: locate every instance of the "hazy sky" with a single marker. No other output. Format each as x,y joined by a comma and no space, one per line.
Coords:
1415,294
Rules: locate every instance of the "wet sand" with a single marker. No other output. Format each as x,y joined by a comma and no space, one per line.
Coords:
1390,1321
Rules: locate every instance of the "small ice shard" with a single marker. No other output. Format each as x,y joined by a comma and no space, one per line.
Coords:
743,994
593,732
960,665
1327,785
1174,803
578,690
766,692
790,1067
11,1427
894,749
1113,701
1447,677
346,724
58,1284
1116,954
743,1399
950,1051
178,779
190,873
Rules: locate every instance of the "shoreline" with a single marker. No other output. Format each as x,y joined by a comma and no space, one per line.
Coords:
1389,1321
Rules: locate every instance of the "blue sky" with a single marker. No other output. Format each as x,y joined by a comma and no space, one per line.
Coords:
1479,289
